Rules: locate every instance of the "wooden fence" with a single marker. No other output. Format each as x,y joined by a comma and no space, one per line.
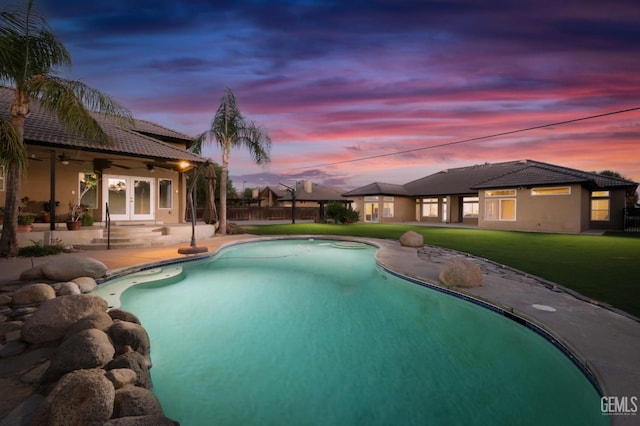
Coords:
265,213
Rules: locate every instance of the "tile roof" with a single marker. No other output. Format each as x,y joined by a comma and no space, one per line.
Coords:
537,173
42,128
468,180
378,188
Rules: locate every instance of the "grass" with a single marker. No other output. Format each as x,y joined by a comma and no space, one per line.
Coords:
602,267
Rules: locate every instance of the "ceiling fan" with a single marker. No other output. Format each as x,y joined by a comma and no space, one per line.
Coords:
65,159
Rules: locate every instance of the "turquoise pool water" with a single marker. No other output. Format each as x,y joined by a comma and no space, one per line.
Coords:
300,332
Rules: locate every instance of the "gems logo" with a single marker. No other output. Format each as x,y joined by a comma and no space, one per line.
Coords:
619,405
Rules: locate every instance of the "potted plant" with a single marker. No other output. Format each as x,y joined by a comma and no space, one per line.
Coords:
46,214
76,210
25,222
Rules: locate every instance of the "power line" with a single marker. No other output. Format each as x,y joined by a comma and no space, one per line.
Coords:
478,138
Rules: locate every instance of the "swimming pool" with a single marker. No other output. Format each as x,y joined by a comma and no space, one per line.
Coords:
314,332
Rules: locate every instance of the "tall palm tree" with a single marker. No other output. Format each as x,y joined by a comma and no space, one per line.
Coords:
29,57
230,130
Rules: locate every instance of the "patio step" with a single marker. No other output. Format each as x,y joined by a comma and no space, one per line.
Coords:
128,236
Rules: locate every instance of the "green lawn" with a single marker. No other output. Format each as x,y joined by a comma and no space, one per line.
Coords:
604,268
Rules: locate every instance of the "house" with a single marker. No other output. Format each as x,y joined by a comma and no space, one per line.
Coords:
307,195
141,173
517,195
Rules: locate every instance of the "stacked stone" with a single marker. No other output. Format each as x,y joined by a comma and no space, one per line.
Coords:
97,371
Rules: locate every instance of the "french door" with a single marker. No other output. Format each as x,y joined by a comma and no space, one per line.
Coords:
129,197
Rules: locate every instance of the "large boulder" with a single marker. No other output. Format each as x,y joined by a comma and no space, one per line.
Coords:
32,274
121,377
124,333
411,239
68,288
123,315
100,320
55,316
136,362
86,349
80,398
135,401
86,284
460,272
67,268
33,294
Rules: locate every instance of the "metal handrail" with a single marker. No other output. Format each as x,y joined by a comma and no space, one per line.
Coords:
108,224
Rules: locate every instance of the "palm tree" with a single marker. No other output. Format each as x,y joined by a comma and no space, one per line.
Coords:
29,57
230,129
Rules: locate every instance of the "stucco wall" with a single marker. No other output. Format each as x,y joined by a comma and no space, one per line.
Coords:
550,213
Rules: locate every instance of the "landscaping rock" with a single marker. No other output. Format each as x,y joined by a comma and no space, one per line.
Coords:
86,284
100,320
411,239
9,326
56,316
125,333
136,362
123,315
4,299
460,272
65,268
68,288
121,377
136,401
12,348
81,397
33,294
32,274
86,349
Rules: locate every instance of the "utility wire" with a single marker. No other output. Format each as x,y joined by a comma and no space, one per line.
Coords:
478,138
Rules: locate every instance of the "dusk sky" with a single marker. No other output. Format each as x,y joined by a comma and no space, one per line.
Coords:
333,81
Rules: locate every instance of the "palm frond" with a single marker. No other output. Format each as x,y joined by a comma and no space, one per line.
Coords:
72,102
27,46
11,150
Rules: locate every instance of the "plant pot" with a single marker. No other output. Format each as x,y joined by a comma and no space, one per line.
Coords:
46,217
73,226
24,228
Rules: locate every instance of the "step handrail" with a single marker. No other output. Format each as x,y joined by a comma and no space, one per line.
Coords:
108,224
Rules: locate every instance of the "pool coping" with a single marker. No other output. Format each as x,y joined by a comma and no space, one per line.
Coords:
605,346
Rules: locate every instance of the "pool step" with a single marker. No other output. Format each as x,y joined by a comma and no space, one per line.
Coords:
112,291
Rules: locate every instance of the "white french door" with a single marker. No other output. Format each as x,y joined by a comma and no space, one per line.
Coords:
129,197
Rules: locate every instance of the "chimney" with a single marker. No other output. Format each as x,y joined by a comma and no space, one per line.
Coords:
308,186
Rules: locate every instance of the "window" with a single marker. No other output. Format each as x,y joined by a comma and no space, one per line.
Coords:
470,207
165,193
500,193
387,207
1,178
558,190
430,207
600,205
88,189
503,208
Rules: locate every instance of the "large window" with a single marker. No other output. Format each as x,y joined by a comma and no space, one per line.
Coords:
470,207
500,205
600,205
430,207
165,193
387,207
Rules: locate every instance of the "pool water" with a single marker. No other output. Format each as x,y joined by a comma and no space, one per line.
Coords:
304,332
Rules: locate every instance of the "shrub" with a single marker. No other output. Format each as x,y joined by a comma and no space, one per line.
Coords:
38,249
87,219
342,214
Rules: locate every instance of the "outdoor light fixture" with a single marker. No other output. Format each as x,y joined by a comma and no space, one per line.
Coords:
151,167
63,159
184,164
